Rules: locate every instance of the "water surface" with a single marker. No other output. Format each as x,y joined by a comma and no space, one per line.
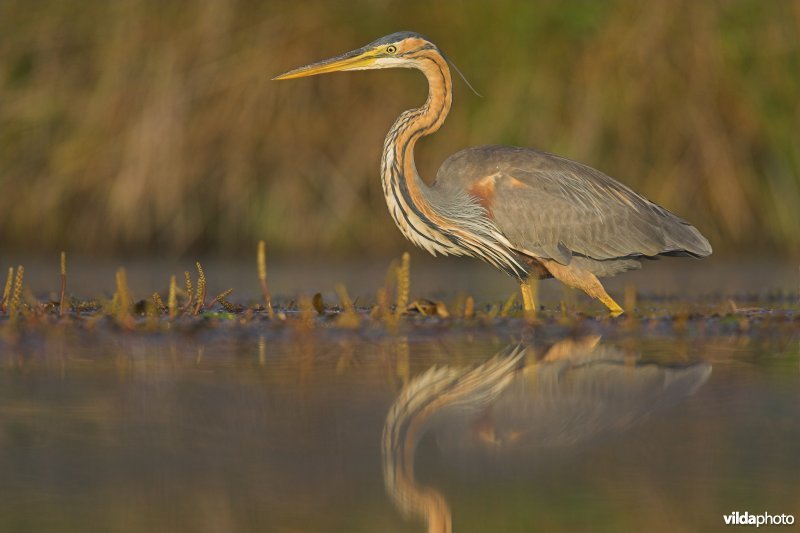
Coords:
241,431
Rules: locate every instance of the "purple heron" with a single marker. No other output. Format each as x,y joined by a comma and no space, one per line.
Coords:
530,214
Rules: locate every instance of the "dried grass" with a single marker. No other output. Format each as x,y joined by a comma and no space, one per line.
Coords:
166,119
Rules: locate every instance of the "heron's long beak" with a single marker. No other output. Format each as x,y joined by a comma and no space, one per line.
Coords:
355,60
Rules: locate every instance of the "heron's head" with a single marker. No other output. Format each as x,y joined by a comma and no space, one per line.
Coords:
396,50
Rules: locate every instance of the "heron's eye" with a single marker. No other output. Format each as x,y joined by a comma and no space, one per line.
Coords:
391,49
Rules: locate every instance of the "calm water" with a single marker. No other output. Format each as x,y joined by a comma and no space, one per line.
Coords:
435,278
234,431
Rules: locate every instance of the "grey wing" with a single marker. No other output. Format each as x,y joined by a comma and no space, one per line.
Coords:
551,207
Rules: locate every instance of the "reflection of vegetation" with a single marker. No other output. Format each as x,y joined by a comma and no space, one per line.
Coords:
159,121
246,430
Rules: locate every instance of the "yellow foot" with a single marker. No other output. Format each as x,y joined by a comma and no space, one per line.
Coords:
613,307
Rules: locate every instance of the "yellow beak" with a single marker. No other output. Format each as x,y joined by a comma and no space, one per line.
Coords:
356,60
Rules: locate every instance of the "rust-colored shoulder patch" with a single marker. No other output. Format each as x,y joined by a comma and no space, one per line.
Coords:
483,190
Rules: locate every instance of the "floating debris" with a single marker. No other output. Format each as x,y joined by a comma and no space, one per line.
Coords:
393,312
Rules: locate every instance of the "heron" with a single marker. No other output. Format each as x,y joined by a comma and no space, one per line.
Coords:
529,213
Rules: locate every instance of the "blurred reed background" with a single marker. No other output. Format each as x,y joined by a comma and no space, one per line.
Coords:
136,125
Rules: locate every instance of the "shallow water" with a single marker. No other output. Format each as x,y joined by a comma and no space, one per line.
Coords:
434,278
241,431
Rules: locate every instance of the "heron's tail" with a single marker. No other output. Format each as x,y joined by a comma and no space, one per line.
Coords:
685,239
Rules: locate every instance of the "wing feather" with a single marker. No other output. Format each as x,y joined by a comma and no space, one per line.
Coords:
552,207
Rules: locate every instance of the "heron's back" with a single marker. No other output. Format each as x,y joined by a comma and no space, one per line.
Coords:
551,207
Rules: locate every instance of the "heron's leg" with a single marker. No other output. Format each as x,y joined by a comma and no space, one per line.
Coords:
609,302
529,289
585,281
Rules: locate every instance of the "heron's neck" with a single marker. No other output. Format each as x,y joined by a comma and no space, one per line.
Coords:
413,124
447,222
406,193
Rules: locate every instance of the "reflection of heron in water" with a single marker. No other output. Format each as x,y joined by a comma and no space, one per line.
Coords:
433,392
578,390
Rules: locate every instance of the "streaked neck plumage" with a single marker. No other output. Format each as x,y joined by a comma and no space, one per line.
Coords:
441,222
406,193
